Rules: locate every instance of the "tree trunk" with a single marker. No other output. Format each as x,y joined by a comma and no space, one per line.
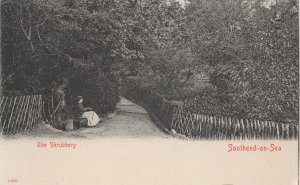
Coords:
0,74
0,63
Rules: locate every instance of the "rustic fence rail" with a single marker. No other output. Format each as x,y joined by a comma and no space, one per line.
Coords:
173,116
19,113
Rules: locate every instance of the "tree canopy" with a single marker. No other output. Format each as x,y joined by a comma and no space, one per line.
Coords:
249,49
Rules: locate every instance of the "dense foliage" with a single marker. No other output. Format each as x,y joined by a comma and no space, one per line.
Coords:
248,49
252,53
46,41
100,92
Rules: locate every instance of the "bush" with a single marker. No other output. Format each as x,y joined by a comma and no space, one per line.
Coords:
100,91
209,102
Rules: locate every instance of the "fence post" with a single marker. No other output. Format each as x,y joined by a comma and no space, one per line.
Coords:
288,131
259,129
235,128
32,120
247,129
250,124
297,131
5,116
271,130
277,131
19,113
224,126
283,134
2,105
200,125
28,111
13,111
243,130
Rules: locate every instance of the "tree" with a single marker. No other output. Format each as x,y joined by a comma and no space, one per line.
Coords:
64,36
169,62
267,84
256,48
44,42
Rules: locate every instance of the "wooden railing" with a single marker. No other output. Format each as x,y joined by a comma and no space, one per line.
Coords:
19,113
173,116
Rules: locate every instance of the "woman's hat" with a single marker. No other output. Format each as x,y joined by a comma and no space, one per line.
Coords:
78,98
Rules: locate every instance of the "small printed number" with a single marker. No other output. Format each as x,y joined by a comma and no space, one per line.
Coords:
12,180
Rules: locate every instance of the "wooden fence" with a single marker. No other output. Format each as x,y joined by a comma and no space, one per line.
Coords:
215,127
173,115
19,113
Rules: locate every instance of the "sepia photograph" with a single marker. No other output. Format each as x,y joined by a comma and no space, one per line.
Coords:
153,92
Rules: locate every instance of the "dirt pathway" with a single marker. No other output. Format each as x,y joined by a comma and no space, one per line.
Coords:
131,121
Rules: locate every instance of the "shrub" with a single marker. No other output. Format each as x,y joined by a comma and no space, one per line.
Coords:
100,91
208,102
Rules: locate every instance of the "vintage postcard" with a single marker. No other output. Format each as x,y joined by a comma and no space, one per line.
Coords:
153,92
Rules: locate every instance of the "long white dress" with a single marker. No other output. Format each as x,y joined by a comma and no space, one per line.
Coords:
92,118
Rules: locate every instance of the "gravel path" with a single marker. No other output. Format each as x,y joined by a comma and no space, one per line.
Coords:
131,121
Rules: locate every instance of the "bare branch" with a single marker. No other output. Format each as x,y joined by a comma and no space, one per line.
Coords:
38,33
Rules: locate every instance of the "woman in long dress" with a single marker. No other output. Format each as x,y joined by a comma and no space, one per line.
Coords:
92,117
